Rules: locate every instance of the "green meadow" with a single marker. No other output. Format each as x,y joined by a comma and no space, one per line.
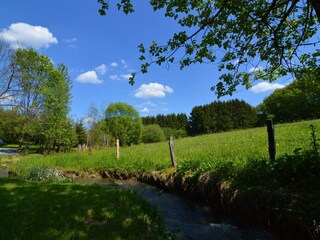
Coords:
237,147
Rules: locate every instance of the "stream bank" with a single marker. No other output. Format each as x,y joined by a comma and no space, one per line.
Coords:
255,205
186,219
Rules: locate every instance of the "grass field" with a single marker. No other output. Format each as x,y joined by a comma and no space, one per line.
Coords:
31,210
208,150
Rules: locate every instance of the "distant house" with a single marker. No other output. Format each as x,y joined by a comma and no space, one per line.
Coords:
1,142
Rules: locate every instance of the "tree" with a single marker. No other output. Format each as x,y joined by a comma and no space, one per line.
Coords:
32,71
56,127
123,122
8,85
42,100
8,125
91,120
81,133
258,39
221,116
152,134
300,100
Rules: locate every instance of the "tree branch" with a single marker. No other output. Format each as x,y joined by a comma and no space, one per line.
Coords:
316,7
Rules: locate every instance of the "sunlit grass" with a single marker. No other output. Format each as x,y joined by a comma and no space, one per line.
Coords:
236,146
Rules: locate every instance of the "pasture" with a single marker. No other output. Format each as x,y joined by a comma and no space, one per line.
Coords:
237,147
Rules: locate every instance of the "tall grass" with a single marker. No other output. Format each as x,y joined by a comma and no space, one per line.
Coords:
208,150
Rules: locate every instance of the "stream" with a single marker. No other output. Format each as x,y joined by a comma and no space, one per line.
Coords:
8,152
183,217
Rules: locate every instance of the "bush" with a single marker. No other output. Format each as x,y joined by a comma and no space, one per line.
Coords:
152,134
45,174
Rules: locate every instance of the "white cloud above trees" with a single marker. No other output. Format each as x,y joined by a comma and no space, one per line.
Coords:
24,35
145,110
265,86
152,90
89,77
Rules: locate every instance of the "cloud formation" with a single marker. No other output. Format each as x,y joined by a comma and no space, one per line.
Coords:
102,69
114,77
124,64
126,76
152,90
145,110
265,86
89,77
114,64
23,35
71,40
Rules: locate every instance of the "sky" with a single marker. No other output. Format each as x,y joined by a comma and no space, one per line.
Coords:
101,52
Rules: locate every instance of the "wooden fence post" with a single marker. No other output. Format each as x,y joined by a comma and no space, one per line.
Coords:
118,148
173,157
271,140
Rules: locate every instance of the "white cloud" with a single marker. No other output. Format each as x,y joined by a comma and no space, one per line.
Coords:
265,86
21,35
102,69
114,64
152,90
114,77
124,64
145,110
255,69
147,104
89,77
71,40
126,76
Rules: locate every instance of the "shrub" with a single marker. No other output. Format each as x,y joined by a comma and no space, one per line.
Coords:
152,134
45,174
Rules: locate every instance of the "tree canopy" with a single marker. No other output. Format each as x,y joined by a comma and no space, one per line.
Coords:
300,100
221,116
124,123
249,39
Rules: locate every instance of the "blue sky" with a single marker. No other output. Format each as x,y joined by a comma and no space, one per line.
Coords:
101,52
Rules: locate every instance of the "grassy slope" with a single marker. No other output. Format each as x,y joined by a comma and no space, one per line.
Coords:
32,210
237,147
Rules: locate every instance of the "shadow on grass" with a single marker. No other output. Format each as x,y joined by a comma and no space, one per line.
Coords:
32,210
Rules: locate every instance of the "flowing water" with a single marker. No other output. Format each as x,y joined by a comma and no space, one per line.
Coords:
8,152
185,218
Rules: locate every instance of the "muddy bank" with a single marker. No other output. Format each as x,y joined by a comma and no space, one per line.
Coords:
255,205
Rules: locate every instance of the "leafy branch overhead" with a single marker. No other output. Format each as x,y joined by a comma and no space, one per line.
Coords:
240,38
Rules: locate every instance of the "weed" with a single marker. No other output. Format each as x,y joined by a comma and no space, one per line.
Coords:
45,174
